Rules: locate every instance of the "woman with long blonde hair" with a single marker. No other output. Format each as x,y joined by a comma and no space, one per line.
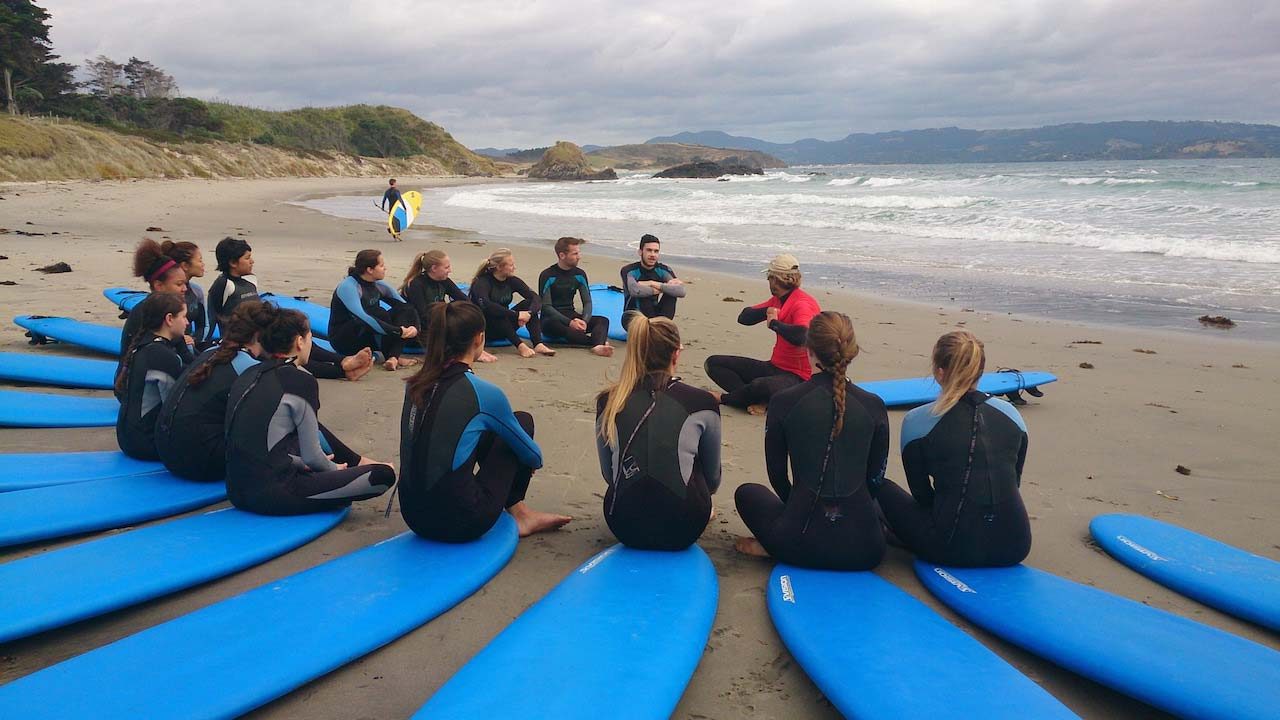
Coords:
428,283
492,289
659,444
963,455
835,437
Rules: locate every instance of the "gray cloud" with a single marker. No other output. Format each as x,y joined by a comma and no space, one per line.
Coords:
527,73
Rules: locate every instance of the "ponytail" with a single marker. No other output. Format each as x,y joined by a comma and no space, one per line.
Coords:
151,263
451,329
278,336
421,264
651,344
243,327
961,357
492,263
834,344
365,260
151,313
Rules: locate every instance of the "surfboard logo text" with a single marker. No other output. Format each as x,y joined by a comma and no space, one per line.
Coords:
1139,548
597,560
788,595
954,581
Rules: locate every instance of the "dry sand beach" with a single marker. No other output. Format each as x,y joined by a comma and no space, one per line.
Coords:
1103,439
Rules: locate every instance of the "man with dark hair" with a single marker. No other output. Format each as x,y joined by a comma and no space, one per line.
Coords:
650,286
391,196
557,285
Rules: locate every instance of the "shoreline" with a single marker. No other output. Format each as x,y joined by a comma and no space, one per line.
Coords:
1105,439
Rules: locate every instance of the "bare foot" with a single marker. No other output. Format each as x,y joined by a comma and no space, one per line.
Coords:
530,521
525,351
542,349
603,350
486,356
750,546
712,516
757,409
370,461
391,363
719,396
358,365
407,362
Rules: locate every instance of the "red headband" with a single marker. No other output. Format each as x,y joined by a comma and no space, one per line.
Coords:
161,270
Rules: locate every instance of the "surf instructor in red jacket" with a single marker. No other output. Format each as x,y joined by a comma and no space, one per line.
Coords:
749,383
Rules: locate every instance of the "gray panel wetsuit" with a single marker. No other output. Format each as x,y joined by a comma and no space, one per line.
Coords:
153,366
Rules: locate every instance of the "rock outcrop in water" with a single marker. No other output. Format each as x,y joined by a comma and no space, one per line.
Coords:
708,169
565,161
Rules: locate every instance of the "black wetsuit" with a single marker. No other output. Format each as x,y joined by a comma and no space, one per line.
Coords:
558,286
820,520
422,292
664,466
748,381
153,367
226,293
501,320
644,299
200,323
190,431
971,514
357,319
275,462
133,325
390,198
466,422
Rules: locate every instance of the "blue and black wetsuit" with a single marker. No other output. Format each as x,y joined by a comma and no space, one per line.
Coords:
422,292
971,514
357,319
276,464
151,369
200,323
501,319
464,457
226,293
390,198
816,519
190,433
664,466
647,301
558,286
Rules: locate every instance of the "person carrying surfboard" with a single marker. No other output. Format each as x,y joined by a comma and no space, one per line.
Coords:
390,197
276,464
963,456
428,283
834,436
492,290
147,371
464,455
659,444
558,284
357,319
749,383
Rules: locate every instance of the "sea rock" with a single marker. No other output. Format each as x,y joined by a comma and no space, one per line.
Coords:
709,169
565,161
58,267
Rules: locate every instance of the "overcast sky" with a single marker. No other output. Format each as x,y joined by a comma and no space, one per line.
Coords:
523,74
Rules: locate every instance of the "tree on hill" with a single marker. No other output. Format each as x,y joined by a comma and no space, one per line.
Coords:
27,59
105,77
145,80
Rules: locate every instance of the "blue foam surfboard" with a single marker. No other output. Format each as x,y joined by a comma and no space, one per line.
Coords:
94,336
45,513
21,471
228,658
43,410
872,649
96,577
619,638
1216,574
1178,665
125,298
918,391
46,369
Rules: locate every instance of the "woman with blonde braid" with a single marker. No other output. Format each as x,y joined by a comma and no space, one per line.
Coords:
659,444
972,446
836,436
428,283
493,288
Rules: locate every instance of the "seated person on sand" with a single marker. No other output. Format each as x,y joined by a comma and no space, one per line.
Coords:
147,371
749,383
276,464
357,320
162,274
560,318
659,444
835,436
492,289
428,283
200,323
963,456
651,287
464,455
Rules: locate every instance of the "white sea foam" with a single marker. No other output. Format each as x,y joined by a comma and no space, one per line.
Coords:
879,182
841,182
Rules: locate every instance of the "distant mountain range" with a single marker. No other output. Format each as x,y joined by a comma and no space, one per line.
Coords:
647,156
1130,140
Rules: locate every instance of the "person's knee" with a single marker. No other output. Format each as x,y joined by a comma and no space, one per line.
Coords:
525,420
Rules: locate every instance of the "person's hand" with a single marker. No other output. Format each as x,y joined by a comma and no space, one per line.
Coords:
523,317
189,340
654,284
675,281
341,466
770,314
408,333
578,324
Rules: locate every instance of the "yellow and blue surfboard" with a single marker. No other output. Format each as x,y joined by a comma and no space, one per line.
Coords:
404,213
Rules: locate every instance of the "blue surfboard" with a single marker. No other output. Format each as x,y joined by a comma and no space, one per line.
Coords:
1170,662
125,298
46,369
43,410
21,471
317,315
918,391
619,638
94,336
96,577
1216,574
877,652
228,658
45,513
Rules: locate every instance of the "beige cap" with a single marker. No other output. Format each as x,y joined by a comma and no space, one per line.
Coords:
783,265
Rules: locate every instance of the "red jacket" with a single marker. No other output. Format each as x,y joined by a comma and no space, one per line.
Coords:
800,307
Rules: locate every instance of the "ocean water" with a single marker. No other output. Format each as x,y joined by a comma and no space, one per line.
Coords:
1153,243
